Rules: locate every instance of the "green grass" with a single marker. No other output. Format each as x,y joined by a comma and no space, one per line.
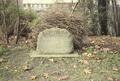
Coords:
2,50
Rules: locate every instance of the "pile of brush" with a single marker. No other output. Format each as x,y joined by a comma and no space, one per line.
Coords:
62,20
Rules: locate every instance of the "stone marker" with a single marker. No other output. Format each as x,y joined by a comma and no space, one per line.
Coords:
55,40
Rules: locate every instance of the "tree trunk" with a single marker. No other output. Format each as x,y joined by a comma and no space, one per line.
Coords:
115,17
5,24
18,27
102,10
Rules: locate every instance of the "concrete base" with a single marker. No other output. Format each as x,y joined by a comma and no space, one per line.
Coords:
36,54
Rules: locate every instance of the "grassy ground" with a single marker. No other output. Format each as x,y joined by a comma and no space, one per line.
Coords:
90,66
96,63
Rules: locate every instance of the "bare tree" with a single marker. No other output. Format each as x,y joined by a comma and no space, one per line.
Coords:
18,27
75,6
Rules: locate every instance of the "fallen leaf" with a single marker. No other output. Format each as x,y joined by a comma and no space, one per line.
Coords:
66,77
95,52
92,42
110,78
51,60
91,80
6,67
33,77
85,54
84,62
55,72
89,55
46,75
99,61
97,47
87,71
115,69
105,49
75,66
26,68
16,70
1,60
83,48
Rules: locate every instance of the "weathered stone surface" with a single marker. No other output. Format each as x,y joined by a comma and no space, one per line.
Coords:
55,40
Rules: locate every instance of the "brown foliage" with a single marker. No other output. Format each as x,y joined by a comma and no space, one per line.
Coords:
62,20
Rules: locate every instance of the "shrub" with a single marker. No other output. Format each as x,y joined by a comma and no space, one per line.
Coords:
35,22
28,15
